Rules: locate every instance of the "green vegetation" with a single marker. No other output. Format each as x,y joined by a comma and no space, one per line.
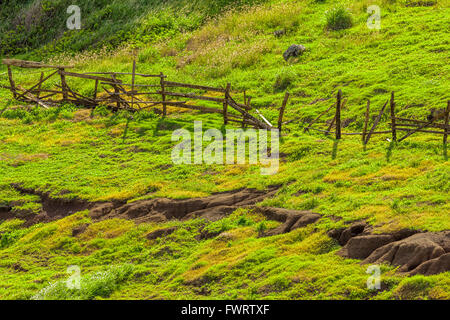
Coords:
35,28
338,18
77,153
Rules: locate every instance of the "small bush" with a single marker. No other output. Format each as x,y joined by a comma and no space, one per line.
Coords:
101,284
261,228
284,80
338,19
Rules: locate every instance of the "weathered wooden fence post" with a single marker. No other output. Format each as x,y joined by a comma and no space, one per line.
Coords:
375,123
163,95
393,126
225,103
133,76
63,84
447,112
11,82
338,115
244,119
366,122
116,92
283,106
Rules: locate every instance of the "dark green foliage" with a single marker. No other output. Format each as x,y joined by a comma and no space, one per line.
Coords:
338,18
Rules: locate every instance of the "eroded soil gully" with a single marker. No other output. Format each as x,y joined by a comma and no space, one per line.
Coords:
214,207
414,252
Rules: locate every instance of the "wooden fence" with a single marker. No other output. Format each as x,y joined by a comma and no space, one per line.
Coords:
111,91
396,124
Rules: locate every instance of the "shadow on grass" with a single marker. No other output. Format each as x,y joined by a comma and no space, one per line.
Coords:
389,150
335,149
129,118
445,152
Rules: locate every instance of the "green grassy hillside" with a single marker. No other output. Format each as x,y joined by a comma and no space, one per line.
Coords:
72,153
37,29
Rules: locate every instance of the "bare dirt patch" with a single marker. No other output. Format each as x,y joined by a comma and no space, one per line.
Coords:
212,208
52,208
414,252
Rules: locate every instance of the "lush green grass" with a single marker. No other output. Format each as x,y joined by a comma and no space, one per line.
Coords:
71,153
37,29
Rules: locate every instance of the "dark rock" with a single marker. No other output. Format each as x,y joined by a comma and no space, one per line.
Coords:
294,50
279,33
404,233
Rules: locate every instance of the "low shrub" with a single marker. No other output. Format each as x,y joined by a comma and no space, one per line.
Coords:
338,18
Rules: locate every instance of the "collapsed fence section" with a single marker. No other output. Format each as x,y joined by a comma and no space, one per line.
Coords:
157,91
113,92
396,124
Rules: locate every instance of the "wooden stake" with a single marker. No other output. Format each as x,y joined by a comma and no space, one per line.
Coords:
376,122
225,103
163,96
447,112
394,133
11,82
248,100
117,92
366,122
132,83
33,97
318,117
283,106
338,115
63,84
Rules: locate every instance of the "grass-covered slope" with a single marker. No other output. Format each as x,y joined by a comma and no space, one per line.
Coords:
72,153
37,28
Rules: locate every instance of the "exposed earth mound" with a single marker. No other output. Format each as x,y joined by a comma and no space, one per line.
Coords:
412,251
212,208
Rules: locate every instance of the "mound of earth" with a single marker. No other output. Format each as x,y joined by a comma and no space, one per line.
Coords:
425,253
161,233
214,207
412,251
292,219
52,208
